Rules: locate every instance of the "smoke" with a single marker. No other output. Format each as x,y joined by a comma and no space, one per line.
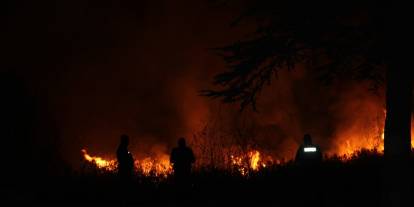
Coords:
107,68
341,117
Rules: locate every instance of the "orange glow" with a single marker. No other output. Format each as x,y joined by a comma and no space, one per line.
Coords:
159,166
352,138
99,162
364,133
249,162
368,138
254,159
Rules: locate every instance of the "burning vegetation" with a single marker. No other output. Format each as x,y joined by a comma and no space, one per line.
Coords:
99,161
246,158
161,166
147,166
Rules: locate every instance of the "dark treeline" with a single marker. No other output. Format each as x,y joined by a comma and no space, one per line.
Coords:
30,141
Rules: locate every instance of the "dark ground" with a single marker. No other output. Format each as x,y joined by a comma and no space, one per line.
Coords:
356,182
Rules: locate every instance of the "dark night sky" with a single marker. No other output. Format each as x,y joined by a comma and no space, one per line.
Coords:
102,68
109,67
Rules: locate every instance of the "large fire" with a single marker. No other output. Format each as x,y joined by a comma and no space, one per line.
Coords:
161,167
347,143
370,137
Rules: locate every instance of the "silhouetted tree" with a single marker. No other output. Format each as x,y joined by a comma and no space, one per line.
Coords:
359,40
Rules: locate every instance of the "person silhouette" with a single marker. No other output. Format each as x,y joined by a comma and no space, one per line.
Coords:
125,159
182,158
308,153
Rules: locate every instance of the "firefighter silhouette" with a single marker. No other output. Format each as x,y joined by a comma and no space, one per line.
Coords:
125,159
182,158
308,153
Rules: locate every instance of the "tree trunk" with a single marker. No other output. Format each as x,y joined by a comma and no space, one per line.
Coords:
397,141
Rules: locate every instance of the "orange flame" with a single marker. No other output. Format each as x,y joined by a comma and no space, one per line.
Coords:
350,141
366,134
252,161
159,166
373,140
98,161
